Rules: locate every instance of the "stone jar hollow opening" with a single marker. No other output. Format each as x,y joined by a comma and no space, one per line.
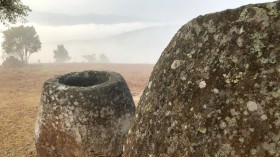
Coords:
84,79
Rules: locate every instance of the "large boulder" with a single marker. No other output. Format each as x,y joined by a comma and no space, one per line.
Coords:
84,114
215,90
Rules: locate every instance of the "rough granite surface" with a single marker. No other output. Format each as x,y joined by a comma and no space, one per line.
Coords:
84,114
215,91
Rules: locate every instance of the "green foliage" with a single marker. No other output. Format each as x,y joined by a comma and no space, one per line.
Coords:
12,62
3,56
12,11
21,41
90,58
103,58
61,54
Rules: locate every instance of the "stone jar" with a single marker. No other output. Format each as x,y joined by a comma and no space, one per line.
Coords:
84,114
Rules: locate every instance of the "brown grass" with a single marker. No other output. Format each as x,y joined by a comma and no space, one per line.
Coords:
20,90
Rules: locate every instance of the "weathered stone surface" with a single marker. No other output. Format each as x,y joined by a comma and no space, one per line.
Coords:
84,114
215,90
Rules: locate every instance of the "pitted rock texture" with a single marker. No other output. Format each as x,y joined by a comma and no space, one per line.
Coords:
84,114
215,91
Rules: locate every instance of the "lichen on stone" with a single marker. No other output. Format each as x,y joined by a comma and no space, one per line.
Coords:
257,43
215,89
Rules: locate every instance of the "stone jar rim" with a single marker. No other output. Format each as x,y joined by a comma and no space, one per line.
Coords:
85,80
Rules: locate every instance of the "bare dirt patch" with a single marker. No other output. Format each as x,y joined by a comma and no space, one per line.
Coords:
20,90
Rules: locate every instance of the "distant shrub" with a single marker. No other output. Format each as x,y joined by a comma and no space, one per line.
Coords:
12,62
61,54
103,58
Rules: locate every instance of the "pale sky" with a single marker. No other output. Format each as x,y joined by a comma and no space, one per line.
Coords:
183,9
118,28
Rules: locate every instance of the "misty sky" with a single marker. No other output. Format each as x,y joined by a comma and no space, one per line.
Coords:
126,31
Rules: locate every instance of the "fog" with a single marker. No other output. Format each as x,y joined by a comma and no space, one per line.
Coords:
127,31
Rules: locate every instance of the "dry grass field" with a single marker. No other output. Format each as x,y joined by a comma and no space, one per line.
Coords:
20,90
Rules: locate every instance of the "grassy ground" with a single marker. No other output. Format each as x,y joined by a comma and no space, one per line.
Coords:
20,90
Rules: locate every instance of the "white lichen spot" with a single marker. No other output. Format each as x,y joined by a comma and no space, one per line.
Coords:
204,106
61,88
231,121
270,147
252,106
38,123
216,91
67,124
176,63
276,137
129,131
202,130
253,151
241,139
150,84
264,117
76,134
62,101
183,76
52,147
167,113
251,129
202,84
111,112
147,93
241,30
233,112
223,125
191,109
245,113
246,66
76,103
240,42
123,148
276,94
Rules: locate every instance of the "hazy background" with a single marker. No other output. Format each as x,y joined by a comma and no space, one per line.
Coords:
127,31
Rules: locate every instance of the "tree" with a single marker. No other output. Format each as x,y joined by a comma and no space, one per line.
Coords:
12,62
90,58
3,56
21,41
12,11
61,54
103,58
